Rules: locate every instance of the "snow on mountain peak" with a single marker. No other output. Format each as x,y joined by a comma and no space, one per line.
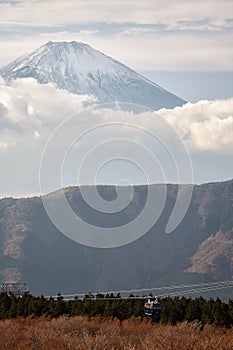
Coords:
80,69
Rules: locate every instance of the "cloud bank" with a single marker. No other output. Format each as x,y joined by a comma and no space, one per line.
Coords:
30,109
205,125
30,113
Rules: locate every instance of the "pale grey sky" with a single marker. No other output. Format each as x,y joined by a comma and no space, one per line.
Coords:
149,36
146,35
184,46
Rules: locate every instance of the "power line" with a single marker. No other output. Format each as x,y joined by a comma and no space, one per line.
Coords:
195,288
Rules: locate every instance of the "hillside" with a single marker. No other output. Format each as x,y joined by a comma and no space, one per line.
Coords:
200,249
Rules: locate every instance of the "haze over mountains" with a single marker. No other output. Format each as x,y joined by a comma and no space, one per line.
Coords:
200,249
80,69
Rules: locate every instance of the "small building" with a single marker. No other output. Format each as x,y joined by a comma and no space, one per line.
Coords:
18,288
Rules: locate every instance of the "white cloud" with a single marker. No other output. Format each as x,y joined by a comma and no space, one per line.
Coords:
146,35
145,50
202,25
30,112
205,125
27,107
50,13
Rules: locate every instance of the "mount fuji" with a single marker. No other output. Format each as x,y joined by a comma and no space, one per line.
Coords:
80,69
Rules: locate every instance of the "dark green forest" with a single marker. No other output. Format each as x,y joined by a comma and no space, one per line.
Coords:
174,310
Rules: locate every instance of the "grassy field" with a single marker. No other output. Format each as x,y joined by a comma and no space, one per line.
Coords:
82,333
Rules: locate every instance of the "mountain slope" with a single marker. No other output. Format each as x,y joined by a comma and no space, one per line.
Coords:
80,69
215,256
34,251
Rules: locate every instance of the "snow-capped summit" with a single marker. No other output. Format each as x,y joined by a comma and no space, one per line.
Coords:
80,69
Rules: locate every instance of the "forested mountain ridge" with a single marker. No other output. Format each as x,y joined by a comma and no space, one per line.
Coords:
200,249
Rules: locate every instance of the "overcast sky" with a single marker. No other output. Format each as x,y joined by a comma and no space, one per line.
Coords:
149,36
184,46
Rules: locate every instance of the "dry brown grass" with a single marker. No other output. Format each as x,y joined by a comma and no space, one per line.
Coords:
104,334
